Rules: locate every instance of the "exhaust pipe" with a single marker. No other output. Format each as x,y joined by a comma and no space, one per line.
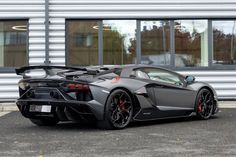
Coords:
54,94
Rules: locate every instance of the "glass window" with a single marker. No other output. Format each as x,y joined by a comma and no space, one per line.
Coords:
191,43
155,42
224,42
119,41
158,75
110,73
83,43
13,37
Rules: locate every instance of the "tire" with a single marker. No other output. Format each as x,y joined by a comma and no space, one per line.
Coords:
204,104
118,110
44,122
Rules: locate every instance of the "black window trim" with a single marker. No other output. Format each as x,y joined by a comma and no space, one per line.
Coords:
210,66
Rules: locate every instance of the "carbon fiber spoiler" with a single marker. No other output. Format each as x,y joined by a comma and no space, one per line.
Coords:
22,70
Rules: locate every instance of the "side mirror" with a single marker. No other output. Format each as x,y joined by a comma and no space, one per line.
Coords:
189,79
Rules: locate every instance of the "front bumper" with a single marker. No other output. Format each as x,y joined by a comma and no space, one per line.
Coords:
63,109
216,106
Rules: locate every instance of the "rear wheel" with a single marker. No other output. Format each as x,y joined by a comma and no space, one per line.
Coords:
204,104
44,122
119,110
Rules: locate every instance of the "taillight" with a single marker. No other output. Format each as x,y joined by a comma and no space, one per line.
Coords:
76,87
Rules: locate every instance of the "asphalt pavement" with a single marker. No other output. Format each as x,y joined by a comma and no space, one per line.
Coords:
183,137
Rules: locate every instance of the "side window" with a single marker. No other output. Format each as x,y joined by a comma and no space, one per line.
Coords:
158,75
110,73
141,74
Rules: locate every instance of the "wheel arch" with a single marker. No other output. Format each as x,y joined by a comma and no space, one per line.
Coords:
135,101
203,87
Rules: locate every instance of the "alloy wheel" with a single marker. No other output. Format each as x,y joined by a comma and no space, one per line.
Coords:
205,104
121,109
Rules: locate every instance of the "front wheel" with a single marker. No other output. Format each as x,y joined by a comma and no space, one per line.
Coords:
44,122
204,104
118,111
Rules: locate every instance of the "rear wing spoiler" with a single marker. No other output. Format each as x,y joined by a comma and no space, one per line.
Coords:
49,70
22,70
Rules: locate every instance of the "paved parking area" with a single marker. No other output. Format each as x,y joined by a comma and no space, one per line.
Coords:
182,137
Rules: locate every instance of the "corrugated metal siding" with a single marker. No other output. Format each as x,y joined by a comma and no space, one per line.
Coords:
142,8
224,82
34,11
59,10
57,41
8,86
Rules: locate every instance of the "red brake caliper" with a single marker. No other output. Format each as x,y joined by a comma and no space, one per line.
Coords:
122,105
199,105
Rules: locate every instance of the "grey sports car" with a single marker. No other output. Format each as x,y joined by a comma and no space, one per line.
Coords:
111,96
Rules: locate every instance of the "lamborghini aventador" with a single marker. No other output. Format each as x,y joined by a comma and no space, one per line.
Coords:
111,96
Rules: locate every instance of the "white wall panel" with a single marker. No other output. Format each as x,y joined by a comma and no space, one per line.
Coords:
56,33
57,40
60,10
126,2
36,20
36,46
35,40
36,27
36,61
22,2
224,82
60,26
37,54
36,34
141,8
8,86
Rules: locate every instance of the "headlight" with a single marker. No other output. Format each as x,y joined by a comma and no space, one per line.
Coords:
23,85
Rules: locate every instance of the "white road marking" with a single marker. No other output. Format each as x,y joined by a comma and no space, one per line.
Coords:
3,113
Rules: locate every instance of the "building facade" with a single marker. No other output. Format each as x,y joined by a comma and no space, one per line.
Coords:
194,37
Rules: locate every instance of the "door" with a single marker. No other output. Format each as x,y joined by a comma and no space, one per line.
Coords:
172,97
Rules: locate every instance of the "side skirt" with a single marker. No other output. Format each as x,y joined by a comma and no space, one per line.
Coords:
155,114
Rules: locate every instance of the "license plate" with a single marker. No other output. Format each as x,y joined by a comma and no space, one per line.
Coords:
40,108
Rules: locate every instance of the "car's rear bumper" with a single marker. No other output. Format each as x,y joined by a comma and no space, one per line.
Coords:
63,109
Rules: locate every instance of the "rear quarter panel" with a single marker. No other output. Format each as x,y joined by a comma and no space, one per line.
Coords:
102,88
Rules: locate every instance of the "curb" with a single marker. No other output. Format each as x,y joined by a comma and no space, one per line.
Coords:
9,107
227,104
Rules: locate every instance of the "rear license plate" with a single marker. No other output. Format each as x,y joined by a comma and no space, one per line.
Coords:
40,108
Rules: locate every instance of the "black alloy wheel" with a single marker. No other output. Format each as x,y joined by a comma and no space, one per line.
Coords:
119,110
204,104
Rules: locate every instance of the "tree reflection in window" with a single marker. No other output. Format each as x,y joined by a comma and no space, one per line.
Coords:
224,42
191,43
